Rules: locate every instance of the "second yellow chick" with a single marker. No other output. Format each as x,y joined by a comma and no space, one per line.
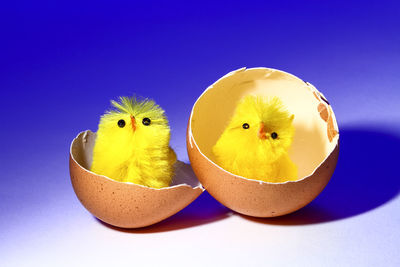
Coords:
256,141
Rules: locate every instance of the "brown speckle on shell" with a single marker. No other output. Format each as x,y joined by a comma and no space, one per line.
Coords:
331,129
316,96
323,111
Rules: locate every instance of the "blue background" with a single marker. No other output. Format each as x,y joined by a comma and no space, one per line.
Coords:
62,62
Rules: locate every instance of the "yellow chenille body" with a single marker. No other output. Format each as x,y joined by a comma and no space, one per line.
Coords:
136,153
256,141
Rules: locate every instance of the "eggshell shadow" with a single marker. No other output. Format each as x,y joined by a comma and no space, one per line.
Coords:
364,179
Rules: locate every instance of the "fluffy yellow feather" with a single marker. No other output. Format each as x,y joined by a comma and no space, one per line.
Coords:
256,141
132,144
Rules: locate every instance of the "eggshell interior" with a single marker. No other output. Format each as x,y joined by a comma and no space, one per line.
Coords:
315,142
127,205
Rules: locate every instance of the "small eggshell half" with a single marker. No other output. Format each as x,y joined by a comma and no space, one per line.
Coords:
314,150
127,205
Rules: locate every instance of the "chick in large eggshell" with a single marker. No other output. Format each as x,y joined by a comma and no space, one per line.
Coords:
132,144
256,141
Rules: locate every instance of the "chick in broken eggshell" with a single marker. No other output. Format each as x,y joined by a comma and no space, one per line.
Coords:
256,141
132,144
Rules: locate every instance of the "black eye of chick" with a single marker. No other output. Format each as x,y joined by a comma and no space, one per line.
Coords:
246,126
146,121
121,123
274,135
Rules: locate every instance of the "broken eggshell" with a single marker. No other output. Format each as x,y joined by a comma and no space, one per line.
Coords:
127,205
314,150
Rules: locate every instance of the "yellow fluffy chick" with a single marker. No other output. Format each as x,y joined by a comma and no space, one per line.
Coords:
132,144
256,141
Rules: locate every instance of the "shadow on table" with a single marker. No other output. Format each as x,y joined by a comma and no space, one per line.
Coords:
205,209
364,179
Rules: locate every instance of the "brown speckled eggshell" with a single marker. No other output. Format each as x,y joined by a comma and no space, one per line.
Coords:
315,148
127,205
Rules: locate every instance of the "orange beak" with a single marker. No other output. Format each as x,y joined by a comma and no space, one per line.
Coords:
133,123
261,132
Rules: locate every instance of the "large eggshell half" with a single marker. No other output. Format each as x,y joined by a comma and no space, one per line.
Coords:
314,150
127,205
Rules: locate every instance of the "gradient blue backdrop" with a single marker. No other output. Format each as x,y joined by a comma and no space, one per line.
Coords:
62,62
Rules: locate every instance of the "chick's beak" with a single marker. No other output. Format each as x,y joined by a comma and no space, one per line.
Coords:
261,132
133,123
